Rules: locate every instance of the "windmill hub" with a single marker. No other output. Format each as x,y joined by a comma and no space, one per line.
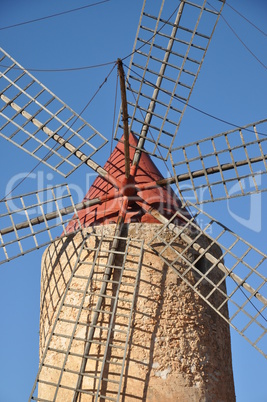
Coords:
128,187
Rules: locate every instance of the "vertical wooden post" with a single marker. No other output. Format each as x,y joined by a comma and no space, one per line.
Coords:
124,118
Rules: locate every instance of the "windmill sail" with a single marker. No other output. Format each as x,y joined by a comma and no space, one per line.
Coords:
227,165
34,220
103,353
169,49
236,277
38,122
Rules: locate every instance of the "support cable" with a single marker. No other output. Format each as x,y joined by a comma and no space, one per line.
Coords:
53,15
194,107
250,22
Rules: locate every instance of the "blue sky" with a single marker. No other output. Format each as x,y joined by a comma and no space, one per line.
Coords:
231,86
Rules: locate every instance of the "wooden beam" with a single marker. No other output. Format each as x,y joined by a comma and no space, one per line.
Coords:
124,118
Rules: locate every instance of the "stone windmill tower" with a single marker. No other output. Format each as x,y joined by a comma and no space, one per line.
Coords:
133,294
119,321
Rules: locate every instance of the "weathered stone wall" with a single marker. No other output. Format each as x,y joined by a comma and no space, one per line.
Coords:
179,348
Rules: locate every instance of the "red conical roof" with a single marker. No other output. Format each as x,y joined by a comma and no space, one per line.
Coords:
161,198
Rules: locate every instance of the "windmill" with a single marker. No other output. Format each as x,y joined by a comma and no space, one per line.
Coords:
175,151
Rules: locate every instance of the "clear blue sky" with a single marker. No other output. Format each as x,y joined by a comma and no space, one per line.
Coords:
231,85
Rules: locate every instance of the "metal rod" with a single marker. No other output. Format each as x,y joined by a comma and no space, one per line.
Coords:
107,275
111,323
124,119
201,251
62,212
57,318
60,140
199,173
130,319
152,104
